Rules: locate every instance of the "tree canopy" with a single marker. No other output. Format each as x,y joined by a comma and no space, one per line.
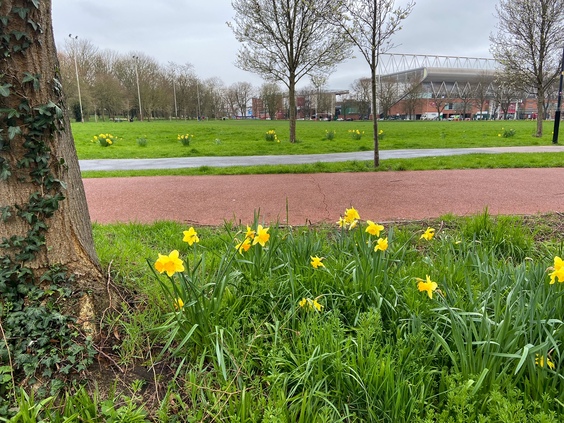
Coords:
528,44
285,40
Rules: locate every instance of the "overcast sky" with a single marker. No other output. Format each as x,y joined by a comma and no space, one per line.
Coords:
195,32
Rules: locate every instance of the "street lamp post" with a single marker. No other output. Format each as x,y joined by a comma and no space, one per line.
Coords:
174,93
557,113
136,58
77,79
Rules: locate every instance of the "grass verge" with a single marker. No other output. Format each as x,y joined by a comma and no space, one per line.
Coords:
248,137
360,323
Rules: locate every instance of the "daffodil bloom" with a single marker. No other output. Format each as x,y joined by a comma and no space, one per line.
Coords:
190,236
169,264
341,222
381,244
539,361
557,270
427,285
428,234
310,304
178,303
243,246
316,262
374,228
351,215
262,236
353,224
557,274
250,233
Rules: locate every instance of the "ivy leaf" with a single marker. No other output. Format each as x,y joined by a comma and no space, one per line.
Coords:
28,77
5,90
22,11
13,131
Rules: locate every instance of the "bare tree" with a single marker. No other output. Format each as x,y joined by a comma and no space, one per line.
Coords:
413,90
466,96
528,44
285,40
271,97
243,93
370,25
504,92
388,95
323,100
482,91
440,102
362,93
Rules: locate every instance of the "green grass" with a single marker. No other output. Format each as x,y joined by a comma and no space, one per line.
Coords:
247,137
243,348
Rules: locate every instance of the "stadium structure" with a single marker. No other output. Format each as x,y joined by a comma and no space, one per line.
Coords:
421,87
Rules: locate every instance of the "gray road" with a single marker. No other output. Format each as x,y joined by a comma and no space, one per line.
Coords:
191,162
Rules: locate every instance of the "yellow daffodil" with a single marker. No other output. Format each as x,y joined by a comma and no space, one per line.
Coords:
428,234
250,233
374,228
539,361
351,215
427,285
178,303
310,304
381,244
169,264
191,236
316,262
341,222
262,236
557,270
353,224
243,246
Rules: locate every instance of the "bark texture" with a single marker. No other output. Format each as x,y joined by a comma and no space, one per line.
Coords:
32,78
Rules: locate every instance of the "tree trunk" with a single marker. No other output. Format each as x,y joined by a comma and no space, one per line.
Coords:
42,199
375,114
292,106
540,112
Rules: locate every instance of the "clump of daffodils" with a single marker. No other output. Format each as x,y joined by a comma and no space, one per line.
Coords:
311,305
185,139
350,219
356,134
329,135
256,236
105,140
271,135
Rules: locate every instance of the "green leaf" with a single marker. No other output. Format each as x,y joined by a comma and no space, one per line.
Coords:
5,90
13,131
28,77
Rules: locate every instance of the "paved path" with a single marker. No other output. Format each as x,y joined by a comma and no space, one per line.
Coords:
312,198
183,162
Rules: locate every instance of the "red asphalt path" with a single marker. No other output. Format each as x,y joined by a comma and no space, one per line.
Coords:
299,199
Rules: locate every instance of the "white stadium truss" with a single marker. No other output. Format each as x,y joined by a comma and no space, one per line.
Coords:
401,62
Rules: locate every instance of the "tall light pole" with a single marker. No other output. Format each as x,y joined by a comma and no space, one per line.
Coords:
174,93
77,79
557,114
136,58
